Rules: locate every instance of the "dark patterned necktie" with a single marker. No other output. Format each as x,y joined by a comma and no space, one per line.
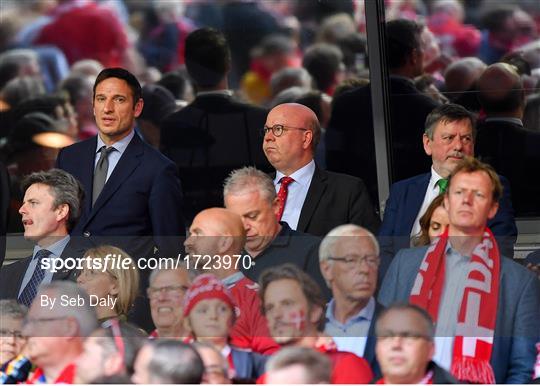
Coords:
100,174
29,292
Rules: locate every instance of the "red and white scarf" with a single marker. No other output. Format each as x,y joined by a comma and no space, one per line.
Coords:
478,311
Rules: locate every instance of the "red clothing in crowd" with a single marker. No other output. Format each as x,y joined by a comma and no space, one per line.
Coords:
67,376
84,30
347,368
251,328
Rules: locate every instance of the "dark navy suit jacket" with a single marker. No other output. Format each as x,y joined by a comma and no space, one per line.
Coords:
517,326
404,203
139,207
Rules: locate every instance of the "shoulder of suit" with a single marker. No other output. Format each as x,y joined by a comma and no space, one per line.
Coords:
515,272
306,237
81,145
15,265
411,180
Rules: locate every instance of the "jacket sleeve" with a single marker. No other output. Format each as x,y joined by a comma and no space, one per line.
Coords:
503,225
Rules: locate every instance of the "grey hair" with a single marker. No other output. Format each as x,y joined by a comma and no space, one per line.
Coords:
85,314
10,307
317,366
65,188
248,179
192,273
289,77
175,362
329,242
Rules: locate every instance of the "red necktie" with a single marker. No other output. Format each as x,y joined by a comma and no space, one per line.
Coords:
282,194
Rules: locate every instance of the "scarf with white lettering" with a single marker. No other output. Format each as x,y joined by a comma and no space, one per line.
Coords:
478,311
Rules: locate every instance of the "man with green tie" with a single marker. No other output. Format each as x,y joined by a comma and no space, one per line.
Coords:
448,137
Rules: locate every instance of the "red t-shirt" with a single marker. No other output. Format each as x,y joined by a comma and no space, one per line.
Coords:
251,328
66,376
347,368
86,31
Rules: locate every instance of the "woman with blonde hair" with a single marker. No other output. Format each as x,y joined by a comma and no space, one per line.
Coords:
110,277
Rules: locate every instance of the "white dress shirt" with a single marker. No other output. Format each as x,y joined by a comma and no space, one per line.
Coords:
297,192
431,193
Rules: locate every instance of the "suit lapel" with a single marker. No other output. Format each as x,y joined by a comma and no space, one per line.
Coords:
415,197
88,157
129,161
314,194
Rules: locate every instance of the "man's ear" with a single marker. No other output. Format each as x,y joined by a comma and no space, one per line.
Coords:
62,212
138,108
326,271
493,210
427,144
308,139
275,206
225,243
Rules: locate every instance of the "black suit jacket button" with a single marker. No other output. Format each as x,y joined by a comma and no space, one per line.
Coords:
86,234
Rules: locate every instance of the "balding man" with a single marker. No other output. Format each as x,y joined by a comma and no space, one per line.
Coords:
311,200
502,140
460,79
217,237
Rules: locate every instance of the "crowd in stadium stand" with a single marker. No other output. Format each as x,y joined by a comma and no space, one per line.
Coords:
197,183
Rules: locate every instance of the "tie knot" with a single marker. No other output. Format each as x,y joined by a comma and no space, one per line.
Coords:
42,253
285,181
443,185
105,151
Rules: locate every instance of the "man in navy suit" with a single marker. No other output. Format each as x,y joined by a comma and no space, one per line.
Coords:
133,192
486,307
349,260
449,136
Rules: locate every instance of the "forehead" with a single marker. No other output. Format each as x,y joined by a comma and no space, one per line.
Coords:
38,191
462,127
246,201
210,303
283,289
478,180
114,86
287,115
171,277
360,244
403,321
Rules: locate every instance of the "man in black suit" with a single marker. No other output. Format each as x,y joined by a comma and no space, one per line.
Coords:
502,140
250,193
349,136
215,133
51,207
349,260
312,200
133,192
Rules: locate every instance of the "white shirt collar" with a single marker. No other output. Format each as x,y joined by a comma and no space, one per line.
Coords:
120,146
302,176
434,178
517,121
215,92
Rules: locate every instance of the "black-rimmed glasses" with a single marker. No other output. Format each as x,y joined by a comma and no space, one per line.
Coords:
278,130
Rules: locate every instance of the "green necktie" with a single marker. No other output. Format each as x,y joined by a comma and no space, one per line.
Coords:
443,185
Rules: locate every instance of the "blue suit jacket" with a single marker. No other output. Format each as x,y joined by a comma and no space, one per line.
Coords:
517,327
404,203
139,207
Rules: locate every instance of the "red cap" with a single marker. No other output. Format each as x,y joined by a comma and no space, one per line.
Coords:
206,286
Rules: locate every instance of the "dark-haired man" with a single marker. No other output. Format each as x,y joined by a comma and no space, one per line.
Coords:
51,207
133,192
215,133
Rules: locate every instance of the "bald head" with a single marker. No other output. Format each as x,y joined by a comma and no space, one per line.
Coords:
462,74
295,146
216,231
501,91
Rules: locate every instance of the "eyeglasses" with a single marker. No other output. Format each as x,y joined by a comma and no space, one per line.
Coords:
278,130
352,261
12,333
114,325
407,336
153,292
